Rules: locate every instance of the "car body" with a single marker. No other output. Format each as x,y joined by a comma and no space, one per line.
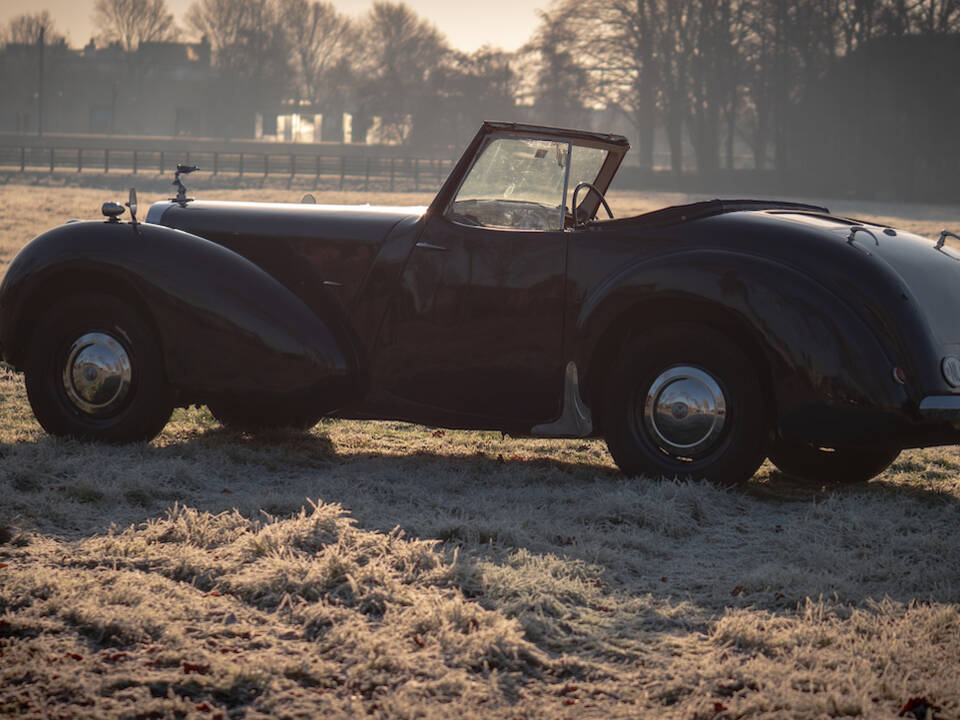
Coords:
696,339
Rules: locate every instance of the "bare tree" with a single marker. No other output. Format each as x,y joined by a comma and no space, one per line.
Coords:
252,53
320,39
401,50
464,90
937,16
562,85
246,36
26,29
131,22
616,43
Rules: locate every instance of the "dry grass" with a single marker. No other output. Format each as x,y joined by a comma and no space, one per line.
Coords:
387,570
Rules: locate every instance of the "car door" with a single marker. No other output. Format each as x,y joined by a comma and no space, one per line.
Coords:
474,331
475,328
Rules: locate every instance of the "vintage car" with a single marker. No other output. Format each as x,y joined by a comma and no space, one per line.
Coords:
697,340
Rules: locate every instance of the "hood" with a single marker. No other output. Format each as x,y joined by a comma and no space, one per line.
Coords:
209,218
306,247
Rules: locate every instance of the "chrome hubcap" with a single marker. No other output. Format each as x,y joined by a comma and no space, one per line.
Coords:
684,412
96,376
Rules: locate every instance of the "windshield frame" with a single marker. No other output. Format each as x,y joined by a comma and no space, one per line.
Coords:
615,145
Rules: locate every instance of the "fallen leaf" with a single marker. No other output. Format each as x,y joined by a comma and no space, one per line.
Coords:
920,708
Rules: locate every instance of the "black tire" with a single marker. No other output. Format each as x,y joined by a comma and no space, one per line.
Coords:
836,466
648,424
117,390
254,419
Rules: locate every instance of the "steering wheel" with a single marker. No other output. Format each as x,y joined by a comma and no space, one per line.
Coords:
590,186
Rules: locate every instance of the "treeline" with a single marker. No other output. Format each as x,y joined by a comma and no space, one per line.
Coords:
708,75
719,70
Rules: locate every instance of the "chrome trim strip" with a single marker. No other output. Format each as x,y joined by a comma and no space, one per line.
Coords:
575,420
940,402
566,186
156,211
941,407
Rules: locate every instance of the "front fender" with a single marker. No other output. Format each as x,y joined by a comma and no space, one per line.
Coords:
829,371
226,327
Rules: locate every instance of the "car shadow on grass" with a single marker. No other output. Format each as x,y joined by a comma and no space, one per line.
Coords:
521,523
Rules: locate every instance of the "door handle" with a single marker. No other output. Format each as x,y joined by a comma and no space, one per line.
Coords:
430,246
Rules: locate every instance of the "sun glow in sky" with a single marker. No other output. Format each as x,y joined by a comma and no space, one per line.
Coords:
504,23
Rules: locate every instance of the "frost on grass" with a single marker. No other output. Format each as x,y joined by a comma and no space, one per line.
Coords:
306,615
443,574
268,614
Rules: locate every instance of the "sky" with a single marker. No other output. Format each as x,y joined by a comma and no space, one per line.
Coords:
467,24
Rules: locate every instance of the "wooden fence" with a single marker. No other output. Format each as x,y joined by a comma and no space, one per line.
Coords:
365,171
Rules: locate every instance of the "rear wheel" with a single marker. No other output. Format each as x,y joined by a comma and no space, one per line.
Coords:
685,400
94,371
831,465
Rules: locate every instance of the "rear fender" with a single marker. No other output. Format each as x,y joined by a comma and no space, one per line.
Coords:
226,327
829,374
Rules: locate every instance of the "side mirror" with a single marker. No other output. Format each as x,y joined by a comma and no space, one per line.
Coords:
132,204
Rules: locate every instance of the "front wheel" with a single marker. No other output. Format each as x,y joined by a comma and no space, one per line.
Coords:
94,371
684,401
833,466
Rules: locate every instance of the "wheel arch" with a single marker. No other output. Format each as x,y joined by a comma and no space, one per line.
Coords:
826,374
647,314
62,282
223,324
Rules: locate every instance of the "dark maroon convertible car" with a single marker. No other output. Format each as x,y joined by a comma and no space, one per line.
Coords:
697,340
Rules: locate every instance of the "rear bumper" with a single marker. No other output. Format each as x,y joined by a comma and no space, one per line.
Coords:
944,408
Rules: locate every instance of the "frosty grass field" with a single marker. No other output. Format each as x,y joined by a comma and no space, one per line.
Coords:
380,569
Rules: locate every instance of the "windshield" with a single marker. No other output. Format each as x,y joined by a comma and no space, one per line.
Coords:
522,183
515,183
584,167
